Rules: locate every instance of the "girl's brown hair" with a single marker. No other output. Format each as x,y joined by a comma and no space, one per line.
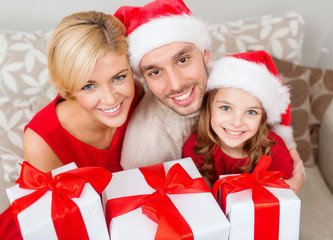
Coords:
207,140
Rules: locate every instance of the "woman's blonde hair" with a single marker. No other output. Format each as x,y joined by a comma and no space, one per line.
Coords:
77,43
207,140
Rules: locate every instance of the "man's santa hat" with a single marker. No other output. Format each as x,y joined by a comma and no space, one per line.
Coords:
255,73
159,23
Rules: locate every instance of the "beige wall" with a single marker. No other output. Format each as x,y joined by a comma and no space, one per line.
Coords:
318,15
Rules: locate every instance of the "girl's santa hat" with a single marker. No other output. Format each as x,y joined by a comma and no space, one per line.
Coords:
159,23
255,73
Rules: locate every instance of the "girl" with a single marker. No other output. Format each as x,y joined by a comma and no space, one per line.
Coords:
88,65
246,105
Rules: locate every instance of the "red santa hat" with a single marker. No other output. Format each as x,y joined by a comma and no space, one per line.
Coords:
159,23
255,73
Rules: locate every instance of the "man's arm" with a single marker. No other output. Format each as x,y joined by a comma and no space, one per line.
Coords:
297,180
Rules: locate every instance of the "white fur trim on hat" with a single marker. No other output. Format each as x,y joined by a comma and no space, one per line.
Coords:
164,30
286,133
255,79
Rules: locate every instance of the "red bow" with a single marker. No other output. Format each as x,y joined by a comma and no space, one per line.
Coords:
267,207
64,186
158,206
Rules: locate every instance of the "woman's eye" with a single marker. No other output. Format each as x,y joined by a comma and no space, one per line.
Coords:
119,78
225,108
88,87
252,112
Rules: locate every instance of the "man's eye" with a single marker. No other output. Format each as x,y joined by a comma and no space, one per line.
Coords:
252,112
119,78
225,108
155,72
182,60
88,87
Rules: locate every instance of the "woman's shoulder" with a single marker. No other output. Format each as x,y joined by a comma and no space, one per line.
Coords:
45,115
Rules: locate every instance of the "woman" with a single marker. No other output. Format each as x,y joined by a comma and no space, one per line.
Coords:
85,124
88,65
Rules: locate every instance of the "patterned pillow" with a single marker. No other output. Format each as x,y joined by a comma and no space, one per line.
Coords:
281,35
24,90
311,93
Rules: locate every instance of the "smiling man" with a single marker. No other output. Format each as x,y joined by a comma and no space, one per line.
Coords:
169,47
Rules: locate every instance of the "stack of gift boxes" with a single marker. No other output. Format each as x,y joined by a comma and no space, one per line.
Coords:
163,201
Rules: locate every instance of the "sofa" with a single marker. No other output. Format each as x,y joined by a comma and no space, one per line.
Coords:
24,89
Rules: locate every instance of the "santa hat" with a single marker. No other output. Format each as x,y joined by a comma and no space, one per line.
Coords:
159,23
255,73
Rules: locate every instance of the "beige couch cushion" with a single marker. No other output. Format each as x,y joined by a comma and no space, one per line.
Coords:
311,93
281,35
24,90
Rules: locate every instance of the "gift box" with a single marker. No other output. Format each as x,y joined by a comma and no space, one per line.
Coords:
62,204
163,201
259,205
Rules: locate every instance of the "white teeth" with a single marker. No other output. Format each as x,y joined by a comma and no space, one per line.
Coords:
232,132
111,110
184,96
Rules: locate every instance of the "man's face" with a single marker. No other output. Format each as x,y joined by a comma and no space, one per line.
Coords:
176,74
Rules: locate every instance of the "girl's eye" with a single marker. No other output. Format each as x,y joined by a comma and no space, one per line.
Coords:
88,87
225,108
252,112
119,78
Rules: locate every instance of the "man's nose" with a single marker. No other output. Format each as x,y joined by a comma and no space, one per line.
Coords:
176,80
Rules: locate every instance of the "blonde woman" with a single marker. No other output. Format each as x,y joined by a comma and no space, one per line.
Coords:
88,65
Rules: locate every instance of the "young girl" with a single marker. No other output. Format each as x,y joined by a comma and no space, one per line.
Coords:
245,108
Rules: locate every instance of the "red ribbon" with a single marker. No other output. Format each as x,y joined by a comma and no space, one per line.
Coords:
66,215
158,206
266,205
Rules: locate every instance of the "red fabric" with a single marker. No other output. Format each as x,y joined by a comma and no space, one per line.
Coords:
266,205
158,206
8,227
70,149
223,164
134,17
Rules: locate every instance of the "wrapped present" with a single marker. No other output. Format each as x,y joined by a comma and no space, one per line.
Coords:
62,204
163,201
259,205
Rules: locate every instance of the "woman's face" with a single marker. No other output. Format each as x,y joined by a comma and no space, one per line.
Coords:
235,118
108,94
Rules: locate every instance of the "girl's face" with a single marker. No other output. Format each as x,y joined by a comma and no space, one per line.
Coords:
235,118
109,92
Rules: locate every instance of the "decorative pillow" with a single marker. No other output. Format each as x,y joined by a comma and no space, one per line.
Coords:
25,89
281,35
311,93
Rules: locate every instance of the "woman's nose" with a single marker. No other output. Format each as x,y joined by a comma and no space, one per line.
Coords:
109,95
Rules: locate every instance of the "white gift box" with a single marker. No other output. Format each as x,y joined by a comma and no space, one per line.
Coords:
240,213
36,221
200,210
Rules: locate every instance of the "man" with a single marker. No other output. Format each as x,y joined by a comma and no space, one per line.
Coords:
169,48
